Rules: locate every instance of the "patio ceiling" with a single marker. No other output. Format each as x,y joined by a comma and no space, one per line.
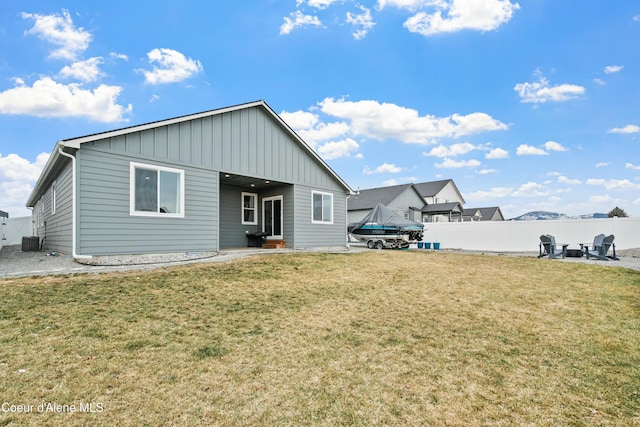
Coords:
247,181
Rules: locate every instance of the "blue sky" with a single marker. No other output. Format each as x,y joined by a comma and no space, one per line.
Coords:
528,105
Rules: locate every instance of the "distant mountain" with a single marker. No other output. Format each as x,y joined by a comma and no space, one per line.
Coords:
543,215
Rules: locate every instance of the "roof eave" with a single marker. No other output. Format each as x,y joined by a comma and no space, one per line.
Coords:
53,158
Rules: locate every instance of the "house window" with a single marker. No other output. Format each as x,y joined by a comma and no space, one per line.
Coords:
156,191
53,198
322,209
249,209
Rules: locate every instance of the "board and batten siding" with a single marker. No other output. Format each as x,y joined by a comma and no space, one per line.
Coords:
55,228
106,226
247,142
309,234
405,200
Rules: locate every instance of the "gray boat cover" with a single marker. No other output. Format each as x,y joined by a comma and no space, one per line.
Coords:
385,216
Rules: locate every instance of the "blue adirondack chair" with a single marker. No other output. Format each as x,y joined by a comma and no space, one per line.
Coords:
549,247
600,248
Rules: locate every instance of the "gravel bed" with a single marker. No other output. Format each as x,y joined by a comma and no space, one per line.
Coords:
15,263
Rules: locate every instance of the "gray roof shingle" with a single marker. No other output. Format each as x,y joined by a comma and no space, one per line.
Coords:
368,199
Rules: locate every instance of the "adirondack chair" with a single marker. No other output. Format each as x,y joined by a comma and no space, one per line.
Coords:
549,247
600,248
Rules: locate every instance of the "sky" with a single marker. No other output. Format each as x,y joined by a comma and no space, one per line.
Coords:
527,105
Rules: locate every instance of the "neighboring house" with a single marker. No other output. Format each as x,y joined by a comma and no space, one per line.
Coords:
442,212
403,199
423,202
443,191
195,183
483,214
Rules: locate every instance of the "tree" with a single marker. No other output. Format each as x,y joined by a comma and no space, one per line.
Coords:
617,212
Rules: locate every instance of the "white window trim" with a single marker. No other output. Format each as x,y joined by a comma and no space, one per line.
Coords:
132,190
53,198
255,208
313,221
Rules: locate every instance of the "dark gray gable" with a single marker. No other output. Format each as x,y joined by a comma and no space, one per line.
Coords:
368,199
430,189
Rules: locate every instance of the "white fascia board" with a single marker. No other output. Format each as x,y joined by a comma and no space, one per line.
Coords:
53,158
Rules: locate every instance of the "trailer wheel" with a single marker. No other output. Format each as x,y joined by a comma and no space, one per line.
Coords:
370,244
379,244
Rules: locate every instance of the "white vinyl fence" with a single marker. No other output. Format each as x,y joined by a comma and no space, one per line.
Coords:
519,236
17,228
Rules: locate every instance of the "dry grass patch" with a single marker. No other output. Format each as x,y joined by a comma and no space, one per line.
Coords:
378,338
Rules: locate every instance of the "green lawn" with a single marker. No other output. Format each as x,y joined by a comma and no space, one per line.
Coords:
376,338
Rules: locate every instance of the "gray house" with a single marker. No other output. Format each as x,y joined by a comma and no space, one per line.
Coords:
196,183
493,213
422,202
403,199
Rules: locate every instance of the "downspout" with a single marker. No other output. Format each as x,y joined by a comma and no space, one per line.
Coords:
74,254
346,221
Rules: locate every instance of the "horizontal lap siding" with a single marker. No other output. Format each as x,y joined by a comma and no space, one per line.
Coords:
309,234
233,232
106,226
248,142
58,229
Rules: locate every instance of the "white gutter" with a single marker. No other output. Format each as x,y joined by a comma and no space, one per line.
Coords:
73,207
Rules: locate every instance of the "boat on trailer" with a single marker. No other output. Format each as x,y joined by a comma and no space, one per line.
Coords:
383,228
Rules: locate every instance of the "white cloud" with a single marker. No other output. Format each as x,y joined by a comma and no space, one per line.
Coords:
60,31
632,166
390,182
541,91
451,151
483,195
86,71
362,22
531,189
457,15
121,56
298,20
311,129
172,67
554,146
613,69
602,164
15,168
486,171
47,98
528,150
456,164
564,180
599,82
17,176
614,184
384,120
383,168
626,129
336,149
497,153
411,4
320,4
299,119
